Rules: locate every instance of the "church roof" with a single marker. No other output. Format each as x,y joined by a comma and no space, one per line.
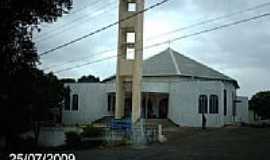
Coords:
172,63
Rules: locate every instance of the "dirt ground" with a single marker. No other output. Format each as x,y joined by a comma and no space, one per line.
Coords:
194,144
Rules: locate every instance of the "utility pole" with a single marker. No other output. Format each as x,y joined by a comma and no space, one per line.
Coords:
130,57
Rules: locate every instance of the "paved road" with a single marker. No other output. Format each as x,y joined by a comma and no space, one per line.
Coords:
194,144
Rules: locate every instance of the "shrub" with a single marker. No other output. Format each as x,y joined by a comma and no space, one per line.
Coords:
90,131
72,138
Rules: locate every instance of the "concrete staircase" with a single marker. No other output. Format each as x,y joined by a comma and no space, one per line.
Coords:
167,125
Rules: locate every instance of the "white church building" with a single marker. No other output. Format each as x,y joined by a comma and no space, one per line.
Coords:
174,87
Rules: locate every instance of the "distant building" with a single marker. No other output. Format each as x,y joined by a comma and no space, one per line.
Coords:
174,87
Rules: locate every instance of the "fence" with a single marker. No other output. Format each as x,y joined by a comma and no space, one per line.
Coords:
123,131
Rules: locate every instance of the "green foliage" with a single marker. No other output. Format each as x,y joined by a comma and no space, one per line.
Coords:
72,138
18,21
90,131
68,80
47,92
260,104
26,93
125,141
89,78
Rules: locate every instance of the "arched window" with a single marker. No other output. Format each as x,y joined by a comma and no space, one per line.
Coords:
213,104
225,102
234,104
111,102
75,102
67,98
203,102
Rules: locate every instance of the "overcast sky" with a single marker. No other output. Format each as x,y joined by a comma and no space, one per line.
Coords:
241,51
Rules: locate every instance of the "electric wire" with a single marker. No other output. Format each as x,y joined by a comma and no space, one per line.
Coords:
172,31
173,40
101,29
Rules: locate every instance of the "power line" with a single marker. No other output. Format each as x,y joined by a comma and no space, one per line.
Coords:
173,40
102,29
85,64
80,59
174,31
86,5
213,20
216,28
61,29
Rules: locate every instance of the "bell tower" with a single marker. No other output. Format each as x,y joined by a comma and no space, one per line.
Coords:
130,57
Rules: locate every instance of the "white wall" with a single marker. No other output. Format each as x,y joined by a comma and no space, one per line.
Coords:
159,87
92,103
184,99
229,87
242,113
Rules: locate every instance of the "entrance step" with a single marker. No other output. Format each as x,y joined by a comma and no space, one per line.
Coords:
166,123
103,122
150,123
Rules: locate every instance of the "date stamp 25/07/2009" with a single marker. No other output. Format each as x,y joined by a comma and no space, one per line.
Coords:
42,156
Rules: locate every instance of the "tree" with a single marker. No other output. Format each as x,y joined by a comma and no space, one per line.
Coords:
22,83
260,104
68,80
32,101
89,78
47,93
18,21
